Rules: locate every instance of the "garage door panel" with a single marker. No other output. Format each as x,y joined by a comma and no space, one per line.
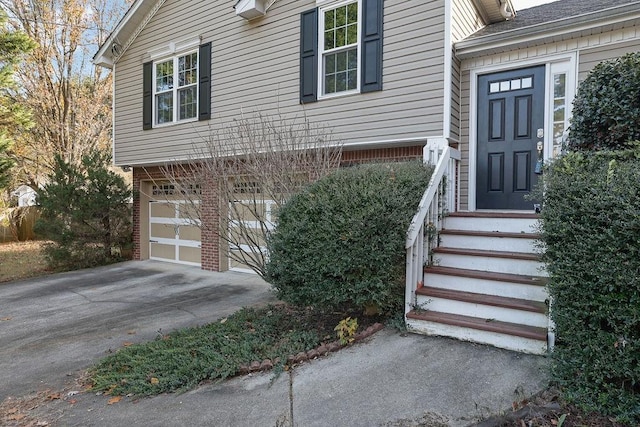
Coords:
246,211
249,237
162,210
188,211
164,231
236,265
161,250
189,254
190,232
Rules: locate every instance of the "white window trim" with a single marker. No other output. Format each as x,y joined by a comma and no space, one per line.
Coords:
328,4
174,90
569,70
570,61
174,48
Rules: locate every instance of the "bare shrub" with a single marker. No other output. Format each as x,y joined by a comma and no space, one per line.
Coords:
254,165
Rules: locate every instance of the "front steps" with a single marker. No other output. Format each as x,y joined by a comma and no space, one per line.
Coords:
485,283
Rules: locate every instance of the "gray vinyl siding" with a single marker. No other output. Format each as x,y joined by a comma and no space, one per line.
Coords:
589,58
255,68
465,20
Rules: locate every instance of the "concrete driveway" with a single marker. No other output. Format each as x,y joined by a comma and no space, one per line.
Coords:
53,327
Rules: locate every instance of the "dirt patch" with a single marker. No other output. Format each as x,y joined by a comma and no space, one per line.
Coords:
21,260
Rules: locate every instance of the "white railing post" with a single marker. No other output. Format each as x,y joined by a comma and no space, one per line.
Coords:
428,219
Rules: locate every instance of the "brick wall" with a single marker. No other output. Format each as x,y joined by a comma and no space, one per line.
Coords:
392,154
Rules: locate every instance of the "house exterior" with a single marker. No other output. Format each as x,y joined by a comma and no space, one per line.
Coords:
476,81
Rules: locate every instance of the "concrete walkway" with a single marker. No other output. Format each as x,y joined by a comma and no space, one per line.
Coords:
386,380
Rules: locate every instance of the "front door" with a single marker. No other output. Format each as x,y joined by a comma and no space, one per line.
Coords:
510,125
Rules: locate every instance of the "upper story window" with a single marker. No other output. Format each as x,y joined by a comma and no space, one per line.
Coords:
339,48
176,89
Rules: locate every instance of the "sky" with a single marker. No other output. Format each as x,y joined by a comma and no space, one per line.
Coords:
525,4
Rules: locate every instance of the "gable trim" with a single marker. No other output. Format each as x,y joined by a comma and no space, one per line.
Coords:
113,48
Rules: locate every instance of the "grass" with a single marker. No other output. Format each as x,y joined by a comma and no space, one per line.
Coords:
183,359
21,260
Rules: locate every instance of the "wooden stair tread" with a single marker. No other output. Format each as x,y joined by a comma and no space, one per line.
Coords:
533,236
491,254
481,214
488,325
487,275
484,299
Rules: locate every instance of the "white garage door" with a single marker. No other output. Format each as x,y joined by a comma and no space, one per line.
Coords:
245,230
173,233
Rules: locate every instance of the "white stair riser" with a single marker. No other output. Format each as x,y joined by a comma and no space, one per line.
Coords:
505,225
507,244
480,311
488,287
498,265
519,344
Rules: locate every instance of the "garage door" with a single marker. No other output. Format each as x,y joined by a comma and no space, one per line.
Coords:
173,233
245,231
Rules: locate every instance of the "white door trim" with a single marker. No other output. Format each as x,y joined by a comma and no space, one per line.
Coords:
568,59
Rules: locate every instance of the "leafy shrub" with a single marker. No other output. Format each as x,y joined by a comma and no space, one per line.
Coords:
607,106
591,230
339,244
85,213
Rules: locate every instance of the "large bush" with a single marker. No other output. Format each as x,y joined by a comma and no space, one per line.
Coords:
591,230
340,243
607,106
86,214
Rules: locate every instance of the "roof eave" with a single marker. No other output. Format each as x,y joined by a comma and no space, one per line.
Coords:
104,56
512,39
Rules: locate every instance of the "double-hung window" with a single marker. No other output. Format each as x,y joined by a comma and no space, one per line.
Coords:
341,49
176,89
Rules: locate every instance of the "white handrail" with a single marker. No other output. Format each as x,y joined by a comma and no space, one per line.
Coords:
427,197
441,194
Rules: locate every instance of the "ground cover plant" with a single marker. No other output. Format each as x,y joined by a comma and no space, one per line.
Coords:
216,351
340,242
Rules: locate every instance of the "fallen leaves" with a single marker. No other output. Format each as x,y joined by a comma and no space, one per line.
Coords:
114,400
154,380
5,319
127,344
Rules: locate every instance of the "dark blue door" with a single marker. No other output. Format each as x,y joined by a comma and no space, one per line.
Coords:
510,125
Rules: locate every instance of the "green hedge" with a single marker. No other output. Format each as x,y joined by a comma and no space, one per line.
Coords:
591,230
607,106
340,243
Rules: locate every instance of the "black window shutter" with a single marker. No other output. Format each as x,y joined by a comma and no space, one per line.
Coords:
204,89
147,95
309,56
371,77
